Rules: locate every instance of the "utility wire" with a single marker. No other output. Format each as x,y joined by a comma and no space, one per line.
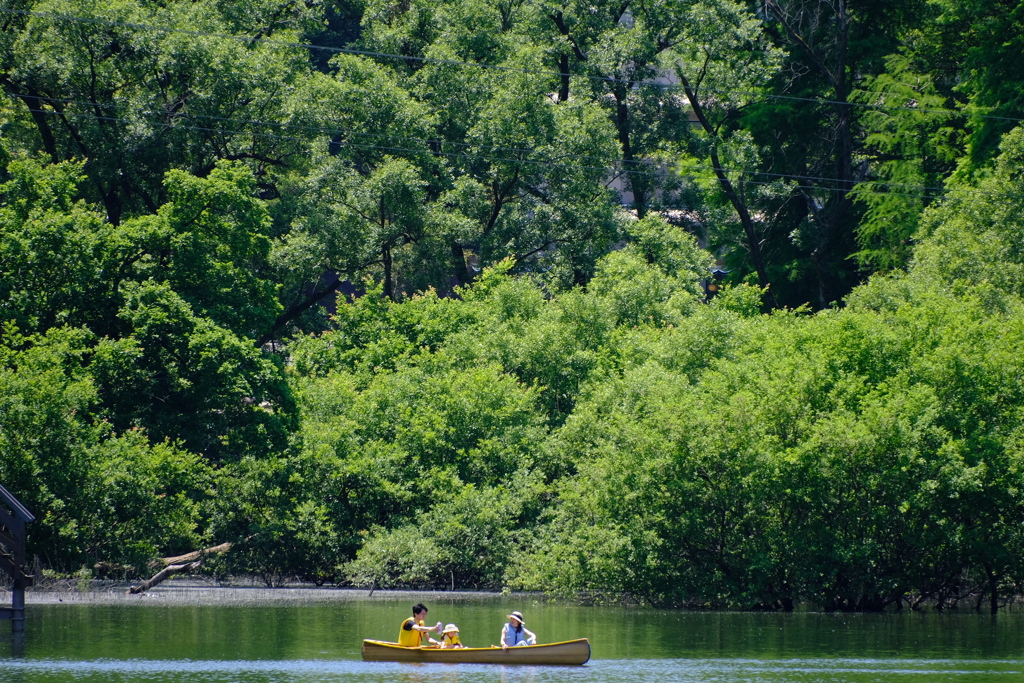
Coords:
607,166
549,73
334,131
606,163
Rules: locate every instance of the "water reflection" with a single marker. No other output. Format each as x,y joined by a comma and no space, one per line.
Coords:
511,674
613,671
17,644
316,636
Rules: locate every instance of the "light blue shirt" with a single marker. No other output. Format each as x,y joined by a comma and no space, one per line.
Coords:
512,637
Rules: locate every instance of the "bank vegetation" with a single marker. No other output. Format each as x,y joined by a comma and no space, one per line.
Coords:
421,295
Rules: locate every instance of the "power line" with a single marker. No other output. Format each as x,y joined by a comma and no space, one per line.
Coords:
332,130
453,62
607,166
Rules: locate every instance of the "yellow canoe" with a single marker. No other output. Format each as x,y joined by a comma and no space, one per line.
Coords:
566,653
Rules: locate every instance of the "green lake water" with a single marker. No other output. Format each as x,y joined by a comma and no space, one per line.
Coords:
267,636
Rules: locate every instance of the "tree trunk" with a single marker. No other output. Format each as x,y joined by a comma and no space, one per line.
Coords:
34,103
462,275
196,554
178,564
635,181
832,63
299,308
740,206
993,586
385,254
563,69
165,573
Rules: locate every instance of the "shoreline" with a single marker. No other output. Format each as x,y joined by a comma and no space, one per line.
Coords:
197,591
241,591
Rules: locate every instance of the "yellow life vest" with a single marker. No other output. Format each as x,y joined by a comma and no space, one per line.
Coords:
410,637
452,639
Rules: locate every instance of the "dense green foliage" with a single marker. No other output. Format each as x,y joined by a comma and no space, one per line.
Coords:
533,387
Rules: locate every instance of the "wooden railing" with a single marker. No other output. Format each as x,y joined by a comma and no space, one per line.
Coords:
13,519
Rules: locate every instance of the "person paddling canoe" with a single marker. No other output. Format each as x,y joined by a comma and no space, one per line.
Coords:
514,633
413,632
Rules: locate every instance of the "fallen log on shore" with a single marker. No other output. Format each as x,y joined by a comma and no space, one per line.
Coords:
194,555
165,573
179,564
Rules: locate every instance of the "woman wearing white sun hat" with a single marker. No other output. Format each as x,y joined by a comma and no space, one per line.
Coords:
515,633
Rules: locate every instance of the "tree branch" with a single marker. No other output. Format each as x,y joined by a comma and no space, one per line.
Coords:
754,244
799,40
165,573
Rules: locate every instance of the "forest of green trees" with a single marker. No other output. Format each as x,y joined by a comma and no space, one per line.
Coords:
415,293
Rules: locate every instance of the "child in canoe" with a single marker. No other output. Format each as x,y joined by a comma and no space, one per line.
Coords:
451,637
